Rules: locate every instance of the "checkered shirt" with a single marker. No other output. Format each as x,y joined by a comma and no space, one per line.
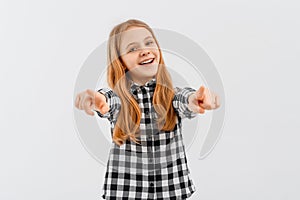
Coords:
157,168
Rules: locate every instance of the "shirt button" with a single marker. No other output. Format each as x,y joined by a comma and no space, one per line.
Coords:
150,160
151,184
147,112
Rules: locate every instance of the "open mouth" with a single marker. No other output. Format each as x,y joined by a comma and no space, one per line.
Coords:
148,61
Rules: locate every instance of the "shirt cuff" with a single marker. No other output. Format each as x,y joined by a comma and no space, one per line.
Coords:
106,93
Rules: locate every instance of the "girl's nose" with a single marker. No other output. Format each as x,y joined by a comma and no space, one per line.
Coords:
145,52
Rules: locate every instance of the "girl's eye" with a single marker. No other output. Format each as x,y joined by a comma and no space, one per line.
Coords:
132,49
149,42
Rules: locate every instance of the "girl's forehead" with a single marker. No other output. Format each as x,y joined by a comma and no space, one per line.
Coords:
134,34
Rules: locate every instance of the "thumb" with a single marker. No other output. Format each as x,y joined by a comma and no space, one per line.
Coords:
200,93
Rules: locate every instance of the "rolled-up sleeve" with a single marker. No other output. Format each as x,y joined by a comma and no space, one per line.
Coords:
180,102
113,102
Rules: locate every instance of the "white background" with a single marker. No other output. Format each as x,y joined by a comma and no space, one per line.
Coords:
254,44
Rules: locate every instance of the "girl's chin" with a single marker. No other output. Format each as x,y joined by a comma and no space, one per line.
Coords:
144,70
145,66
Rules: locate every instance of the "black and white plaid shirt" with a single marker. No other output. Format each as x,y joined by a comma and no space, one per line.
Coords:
157,168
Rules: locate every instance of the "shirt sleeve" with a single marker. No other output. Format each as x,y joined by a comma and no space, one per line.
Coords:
114,103
180,102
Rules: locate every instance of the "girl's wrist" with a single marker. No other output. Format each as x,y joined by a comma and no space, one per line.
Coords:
190,100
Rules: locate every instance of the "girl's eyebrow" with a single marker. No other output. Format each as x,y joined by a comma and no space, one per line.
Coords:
136,42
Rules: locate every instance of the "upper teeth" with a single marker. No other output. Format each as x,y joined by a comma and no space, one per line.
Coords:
146,61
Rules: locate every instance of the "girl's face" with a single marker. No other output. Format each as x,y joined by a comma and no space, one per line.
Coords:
140,54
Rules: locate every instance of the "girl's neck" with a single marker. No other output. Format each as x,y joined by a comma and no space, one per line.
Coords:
142,81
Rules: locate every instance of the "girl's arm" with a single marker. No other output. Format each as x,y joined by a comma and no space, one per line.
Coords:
114,104
90,100
181,101
188,102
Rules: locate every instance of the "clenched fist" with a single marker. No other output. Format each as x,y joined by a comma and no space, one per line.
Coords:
90,100
202,100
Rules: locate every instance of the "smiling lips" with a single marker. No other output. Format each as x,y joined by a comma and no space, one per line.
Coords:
147,61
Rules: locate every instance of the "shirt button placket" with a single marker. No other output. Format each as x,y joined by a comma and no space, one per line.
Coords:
151,168
147,113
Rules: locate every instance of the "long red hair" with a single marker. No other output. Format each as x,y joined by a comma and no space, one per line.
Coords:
128,122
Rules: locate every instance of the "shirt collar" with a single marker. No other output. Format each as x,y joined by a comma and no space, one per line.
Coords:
150,84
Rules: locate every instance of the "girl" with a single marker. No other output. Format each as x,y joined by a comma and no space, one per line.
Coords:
147,159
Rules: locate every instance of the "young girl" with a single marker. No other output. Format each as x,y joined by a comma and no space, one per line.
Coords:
147,159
